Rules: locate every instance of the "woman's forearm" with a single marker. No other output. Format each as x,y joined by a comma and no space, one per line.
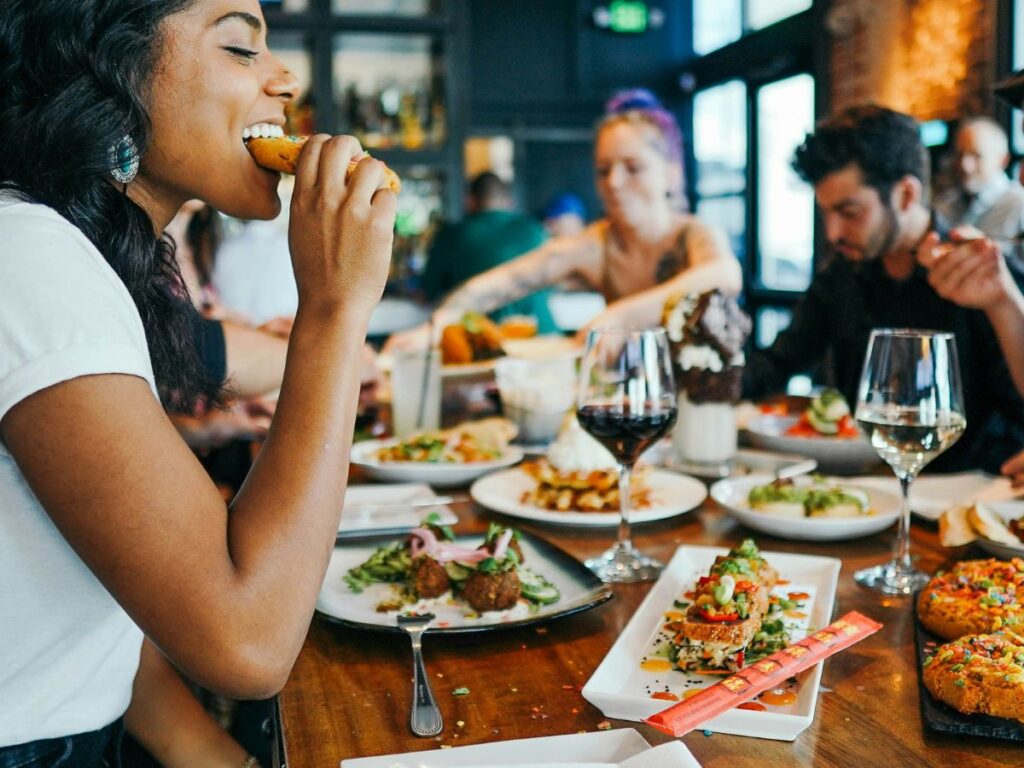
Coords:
166,719
500,286
288,509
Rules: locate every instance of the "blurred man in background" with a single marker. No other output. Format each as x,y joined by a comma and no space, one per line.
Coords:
490,233
984,197
565,215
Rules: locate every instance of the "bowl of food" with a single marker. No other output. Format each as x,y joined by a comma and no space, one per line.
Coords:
809,508
441,458
825,432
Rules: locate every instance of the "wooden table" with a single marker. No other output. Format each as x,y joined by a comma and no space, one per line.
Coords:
349,693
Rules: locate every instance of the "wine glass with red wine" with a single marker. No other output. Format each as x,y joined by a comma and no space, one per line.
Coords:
627,401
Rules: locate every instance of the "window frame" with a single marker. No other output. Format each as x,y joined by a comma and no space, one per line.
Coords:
758,59
745,28
743,194
1008,14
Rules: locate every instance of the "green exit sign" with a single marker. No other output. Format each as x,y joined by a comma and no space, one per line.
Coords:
627,16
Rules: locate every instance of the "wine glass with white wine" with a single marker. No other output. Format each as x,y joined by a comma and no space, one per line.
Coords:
911,407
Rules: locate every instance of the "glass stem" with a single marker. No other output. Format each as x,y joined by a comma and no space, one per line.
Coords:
901,553
624,507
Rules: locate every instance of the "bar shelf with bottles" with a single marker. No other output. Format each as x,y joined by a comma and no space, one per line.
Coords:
387,72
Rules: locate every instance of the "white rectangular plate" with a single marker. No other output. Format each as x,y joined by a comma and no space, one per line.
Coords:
621,688
598,748
376,509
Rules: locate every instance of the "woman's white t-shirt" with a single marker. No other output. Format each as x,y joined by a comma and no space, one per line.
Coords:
68,652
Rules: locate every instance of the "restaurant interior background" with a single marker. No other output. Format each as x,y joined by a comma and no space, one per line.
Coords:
443,89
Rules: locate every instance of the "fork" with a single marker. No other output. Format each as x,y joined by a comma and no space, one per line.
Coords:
795,470
425,719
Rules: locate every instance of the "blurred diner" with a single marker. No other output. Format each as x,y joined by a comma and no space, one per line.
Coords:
870,176
565,215
983,197
645,250
490,234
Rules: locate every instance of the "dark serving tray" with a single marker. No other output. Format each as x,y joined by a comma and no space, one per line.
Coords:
942,717
581,590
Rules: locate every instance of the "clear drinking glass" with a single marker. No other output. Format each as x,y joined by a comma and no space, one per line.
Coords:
911,408
415,391
627,401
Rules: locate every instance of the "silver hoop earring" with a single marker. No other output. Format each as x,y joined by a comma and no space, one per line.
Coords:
123,158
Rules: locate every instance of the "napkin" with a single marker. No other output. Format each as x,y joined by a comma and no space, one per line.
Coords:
931,495
378,508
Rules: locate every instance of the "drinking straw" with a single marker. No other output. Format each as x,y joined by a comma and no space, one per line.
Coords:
425,382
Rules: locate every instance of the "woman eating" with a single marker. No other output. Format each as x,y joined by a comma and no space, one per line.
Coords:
115,113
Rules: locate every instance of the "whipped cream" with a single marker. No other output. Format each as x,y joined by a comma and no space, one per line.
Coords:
576,451
703,357
677,317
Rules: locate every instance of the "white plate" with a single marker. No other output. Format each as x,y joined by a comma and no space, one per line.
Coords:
1007,510
595,748
437,475
580,590
619,686
834,454
733,494
378,509
671,494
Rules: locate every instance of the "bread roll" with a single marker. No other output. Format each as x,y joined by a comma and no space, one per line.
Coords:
955,529
990,525
281,153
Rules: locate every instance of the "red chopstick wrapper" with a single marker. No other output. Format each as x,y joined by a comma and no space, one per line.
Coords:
769,672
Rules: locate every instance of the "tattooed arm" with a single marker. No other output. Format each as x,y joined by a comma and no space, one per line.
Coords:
711,265
551,263
526,274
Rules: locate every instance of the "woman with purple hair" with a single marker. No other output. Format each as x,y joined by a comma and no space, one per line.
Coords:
645,250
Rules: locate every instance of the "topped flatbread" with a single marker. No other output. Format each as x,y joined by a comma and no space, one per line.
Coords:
975,596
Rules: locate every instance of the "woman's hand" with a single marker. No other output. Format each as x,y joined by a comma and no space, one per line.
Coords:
340,233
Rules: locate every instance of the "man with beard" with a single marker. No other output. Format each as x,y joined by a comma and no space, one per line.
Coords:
869,170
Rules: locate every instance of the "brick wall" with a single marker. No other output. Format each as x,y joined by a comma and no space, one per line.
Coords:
934,59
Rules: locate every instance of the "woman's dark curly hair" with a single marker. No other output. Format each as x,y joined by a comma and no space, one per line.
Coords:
76,77
884,144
